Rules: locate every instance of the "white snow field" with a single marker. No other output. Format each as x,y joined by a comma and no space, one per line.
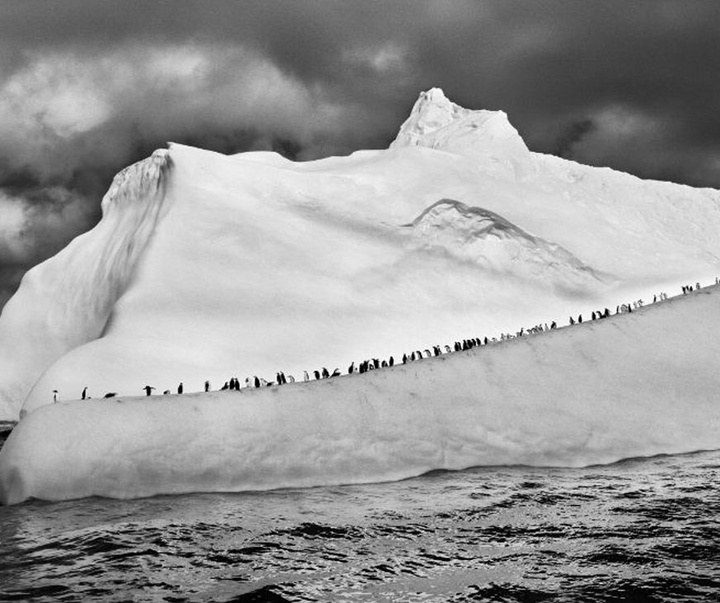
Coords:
208,266
630,385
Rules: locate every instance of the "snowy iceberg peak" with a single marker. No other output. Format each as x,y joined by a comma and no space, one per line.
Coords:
67,300
438,123
431,112
494,243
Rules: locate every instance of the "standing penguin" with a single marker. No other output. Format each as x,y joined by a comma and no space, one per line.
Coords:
56,396
83,396
207,386
148,390
306,377
351,368
180,388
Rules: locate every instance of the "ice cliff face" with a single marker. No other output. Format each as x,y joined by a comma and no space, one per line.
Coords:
208,266
67,300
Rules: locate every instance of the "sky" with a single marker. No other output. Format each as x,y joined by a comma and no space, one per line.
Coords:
86,88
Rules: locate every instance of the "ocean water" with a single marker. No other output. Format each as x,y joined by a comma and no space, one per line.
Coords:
639,530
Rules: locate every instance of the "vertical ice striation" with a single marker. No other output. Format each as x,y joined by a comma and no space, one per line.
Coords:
67,300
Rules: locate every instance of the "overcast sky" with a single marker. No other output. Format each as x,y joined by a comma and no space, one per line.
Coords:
88,87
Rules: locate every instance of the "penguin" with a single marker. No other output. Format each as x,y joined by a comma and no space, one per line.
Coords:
165,393
83,396
351,369
336,373
55,395
572,320
306,377
290,379
207,386
384,364
404,359
427,354
391,362
376,363
325,373
256,381
317,375
148,389
447,349
180,388
112,395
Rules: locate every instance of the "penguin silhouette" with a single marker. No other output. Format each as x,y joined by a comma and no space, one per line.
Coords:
83,396
180,388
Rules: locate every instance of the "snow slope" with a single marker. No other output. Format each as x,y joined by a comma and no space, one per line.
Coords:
630,385
206,266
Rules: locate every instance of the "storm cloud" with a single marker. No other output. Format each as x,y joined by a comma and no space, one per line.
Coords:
88,87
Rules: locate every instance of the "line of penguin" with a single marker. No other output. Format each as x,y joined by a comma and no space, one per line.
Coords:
233,384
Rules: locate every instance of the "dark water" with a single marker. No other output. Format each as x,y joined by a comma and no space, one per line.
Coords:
642,530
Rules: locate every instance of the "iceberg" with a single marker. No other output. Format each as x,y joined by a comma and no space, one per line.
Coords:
636,384
208,266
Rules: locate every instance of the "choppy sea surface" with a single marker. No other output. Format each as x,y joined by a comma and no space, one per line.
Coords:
639,530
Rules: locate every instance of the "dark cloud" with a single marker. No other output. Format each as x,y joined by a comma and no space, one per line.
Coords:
87,88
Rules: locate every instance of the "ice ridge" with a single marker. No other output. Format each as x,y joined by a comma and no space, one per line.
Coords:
490,241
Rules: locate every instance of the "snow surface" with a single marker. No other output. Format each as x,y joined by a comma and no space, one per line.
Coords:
208,266
630,385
